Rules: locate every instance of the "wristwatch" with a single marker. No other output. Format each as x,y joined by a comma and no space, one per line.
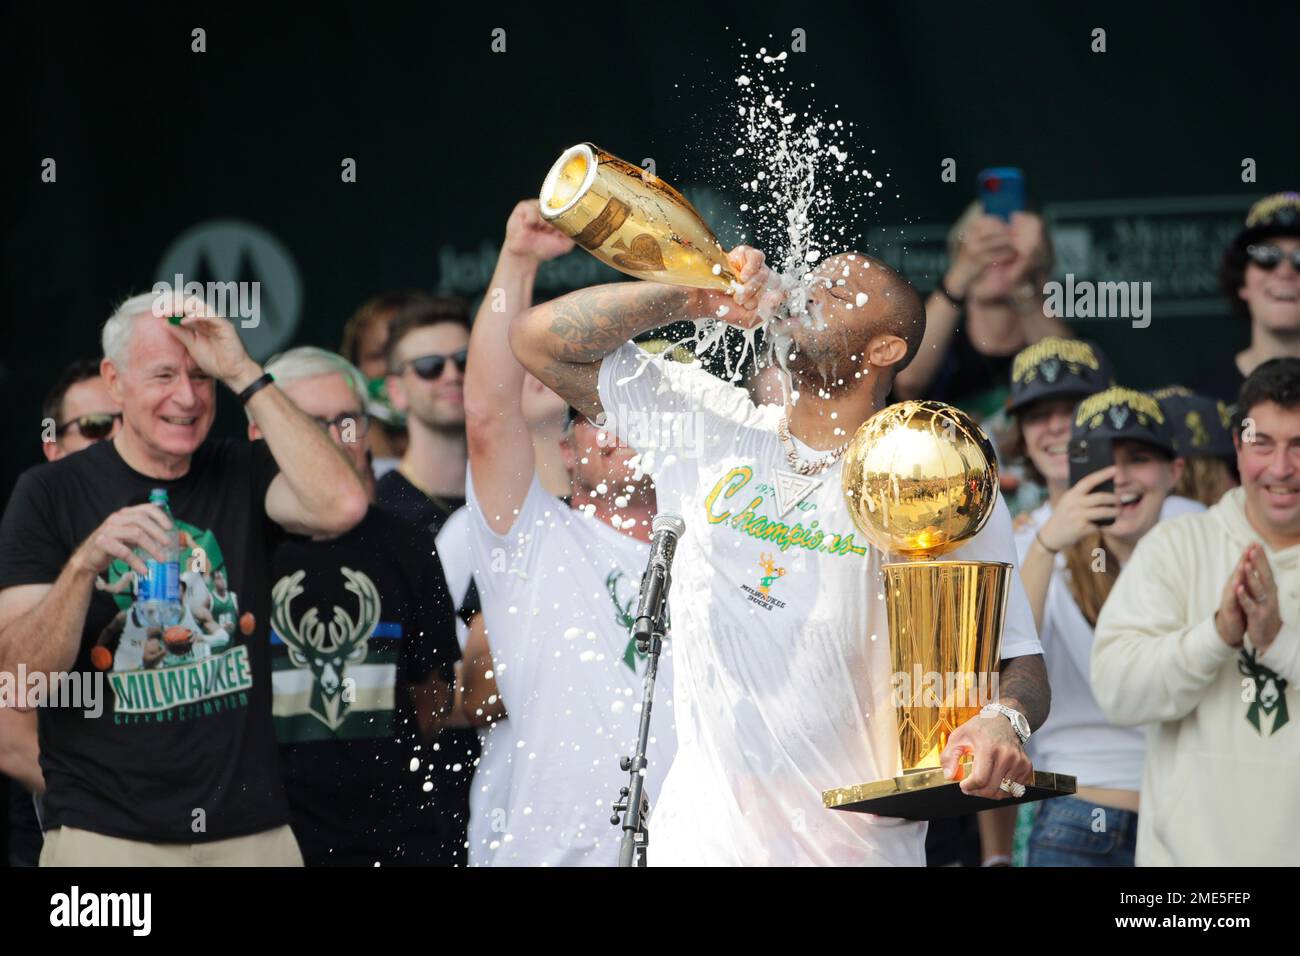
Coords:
1018,722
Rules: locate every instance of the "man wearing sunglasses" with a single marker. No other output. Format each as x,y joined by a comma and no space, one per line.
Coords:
1259,275
80,409
427,348
428,345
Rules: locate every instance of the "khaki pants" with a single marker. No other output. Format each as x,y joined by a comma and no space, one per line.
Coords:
68,846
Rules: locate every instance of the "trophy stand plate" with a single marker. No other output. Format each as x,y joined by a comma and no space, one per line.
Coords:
926,795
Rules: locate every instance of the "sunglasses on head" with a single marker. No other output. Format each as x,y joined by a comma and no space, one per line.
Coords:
429,367
95,426
1268,257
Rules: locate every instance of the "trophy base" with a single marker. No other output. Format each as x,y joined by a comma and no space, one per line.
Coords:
926,795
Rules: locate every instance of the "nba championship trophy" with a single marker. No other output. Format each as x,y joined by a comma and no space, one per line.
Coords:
919,479
632,220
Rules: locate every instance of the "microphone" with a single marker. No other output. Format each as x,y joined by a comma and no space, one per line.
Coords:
664,532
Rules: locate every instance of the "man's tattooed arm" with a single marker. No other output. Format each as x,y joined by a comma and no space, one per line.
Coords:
563,341
1023,686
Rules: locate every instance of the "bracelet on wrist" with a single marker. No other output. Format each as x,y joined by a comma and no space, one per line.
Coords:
259,383
1000,859
942,289
1043,544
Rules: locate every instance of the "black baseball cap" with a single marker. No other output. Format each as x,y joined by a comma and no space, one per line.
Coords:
1057,368
1123,414
1275,215
1201,425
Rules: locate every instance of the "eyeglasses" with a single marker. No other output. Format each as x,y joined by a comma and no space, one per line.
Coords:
429,367
359,421
1268,257
94,426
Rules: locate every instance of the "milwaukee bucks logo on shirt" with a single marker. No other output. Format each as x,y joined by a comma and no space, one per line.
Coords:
625,618
1267,694
326,649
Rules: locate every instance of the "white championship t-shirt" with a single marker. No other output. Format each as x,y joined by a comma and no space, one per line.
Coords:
780,635
559,592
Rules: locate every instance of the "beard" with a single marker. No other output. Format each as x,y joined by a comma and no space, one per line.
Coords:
824,360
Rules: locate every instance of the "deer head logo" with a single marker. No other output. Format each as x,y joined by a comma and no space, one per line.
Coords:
772,573
1269,693
327,658
624,617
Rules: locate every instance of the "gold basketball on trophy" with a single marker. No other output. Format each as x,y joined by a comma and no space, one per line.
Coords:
920,478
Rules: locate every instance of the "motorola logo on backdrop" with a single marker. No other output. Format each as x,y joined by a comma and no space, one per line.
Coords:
225,251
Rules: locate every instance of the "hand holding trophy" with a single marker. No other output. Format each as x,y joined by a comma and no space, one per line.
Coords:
920,478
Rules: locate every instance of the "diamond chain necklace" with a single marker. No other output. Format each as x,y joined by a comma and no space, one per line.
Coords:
814,467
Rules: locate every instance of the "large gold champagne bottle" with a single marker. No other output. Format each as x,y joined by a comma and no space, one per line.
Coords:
632,220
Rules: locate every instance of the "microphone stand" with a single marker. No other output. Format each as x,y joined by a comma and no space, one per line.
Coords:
633,802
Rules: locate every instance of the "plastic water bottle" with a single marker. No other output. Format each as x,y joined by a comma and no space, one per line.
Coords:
158,597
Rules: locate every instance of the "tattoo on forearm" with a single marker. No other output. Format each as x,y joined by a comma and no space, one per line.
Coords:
1022,683
579,384
589,324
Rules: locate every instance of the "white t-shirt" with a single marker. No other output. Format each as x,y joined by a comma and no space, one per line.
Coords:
781,639
1176,505
454,552
558,594
1077,738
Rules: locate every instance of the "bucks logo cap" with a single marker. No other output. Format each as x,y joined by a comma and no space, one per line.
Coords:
1057,368
1123,414
1201,425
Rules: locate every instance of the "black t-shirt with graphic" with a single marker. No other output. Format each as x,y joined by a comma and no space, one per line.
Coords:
183,751
458,747
355,620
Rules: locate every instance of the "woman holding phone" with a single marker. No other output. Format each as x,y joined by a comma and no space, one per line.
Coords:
1068,563
1071,552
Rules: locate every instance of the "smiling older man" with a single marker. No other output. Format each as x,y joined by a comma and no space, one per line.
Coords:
180,768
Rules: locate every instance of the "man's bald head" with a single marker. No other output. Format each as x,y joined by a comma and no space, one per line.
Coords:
857,306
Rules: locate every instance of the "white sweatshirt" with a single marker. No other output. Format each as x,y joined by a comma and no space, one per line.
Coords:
1221,786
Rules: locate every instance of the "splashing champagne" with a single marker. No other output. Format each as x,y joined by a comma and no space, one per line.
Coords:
632,220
